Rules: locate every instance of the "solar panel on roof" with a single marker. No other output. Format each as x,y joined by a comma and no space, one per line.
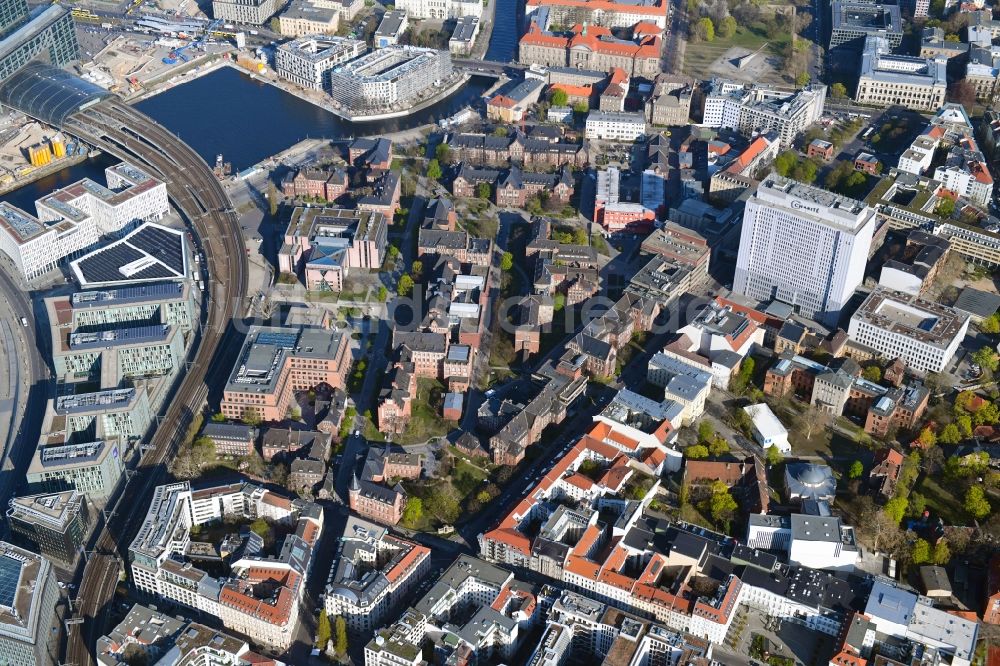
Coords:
286,340
10,575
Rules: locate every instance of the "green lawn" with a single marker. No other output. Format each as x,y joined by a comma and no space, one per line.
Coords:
426,421
941,501
699,56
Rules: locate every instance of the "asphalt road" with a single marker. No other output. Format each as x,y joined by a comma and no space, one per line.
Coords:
32,382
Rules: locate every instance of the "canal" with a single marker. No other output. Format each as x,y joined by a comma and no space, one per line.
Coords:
503,41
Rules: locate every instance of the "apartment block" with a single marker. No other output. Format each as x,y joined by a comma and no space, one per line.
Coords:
308,61
373,573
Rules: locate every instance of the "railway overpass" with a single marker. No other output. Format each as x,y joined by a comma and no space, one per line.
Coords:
102,120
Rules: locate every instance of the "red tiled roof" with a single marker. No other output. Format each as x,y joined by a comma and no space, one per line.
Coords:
758,146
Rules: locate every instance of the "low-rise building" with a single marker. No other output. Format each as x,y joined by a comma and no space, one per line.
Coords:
887,79
305,17
463,38
513,187
327,243
593,47
670,103
394,23
440,9
231,439
767,429
513,102
924,334
615,126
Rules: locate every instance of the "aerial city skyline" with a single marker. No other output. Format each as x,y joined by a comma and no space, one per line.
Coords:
542,332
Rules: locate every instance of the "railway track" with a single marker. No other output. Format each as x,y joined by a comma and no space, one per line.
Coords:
193,189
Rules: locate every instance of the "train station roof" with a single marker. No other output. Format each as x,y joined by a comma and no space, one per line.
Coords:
48,93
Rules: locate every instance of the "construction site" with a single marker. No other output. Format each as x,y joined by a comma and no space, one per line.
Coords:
29,150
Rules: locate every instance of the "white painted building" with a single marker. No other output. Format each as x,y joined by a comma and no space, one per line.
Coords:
924,334
767,429
803,246
615,126
822,542
373,572
440,9
73,219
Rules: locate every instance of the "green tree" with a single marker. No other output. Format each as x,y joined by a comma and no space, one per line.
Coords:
942,554
950,434
484,191
727,27
921,552
872,373
991,324
838,90
272,199
774,456
506,261
718,446
443,153
219,417
704,29
964,423
945,208
856,470
405,286
443,504
261,528
322,631
500,131
416,269
696,451
988,414
721,505
251,416
986,358
560,97
558,302
927,438
976,504
383,294
895,508
340,644
802,79
434,169
413,513
705,432
581,107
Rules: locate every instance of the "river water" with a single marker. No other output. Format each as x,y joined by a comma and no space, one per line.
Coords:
246,120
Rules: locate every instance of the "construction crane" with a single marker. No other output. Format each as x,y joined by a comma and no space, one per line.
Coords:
178,54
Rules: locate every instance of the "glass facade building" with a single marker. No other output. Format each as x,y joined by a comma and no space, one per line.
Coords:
46,34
